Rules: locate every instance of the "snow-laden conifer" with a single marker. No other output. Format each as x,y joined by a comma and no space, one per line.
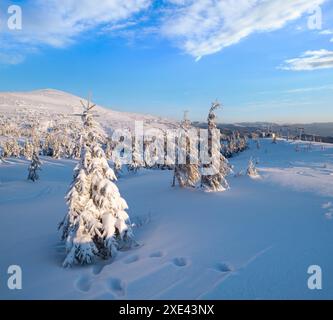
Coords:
137,158
186,171
213,178
252,170
34,167
97,224
28,150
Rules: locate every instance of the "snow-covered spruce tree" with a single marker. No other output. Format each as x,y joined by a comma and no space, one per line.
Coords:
218,167
186,172
28,150
11,148
151,146
35,165
109,147
169,149
137,158
117,166
2,160
96,224
57,149
252,170
76,153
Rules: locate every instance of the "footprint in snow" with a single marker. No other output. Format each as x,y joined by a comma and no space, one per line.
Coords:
83,283
327,205
97,269
117,286
156,254
131,259
223,267
180,262
329,215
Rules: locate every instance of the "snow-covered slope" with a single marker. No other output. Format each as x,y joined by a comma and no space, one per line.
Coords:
46,104
254,241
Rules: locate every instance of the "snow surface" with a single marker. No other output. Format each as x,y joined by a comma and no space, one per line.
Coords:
255,241
49,103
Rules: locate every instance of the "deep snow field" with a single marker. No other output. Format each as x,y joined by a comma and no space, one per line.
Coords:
255,241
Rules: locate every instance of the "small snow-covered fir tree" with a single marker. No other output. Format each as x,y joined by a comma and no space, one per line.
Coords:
2,160
77,148
117,166
57,149
252,170
11,148
109,147
219,164
186,172
28,150
137,159
154,151
96,224
35,166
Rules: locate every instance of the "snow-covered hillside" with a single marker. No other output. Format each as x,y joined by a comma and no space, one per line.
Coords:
47,104
254,241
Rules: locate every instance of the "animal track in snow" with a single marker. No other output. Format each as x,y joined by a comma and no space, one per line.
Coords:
327,205
97,269
223,267
156,254
180,262
131,259
83,283
329,214
117,286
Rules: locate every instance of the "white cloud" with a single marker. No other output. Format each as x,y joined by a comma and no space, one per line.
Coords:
326,32
204,27
11,59
58,22
310,89
200,27
310,60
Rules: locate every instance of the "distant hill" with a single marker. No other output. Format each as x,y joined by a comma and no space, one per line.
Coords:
47,104
322,131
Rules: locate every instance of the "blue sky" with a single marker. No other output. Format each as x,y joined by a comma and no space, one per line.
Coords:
258,57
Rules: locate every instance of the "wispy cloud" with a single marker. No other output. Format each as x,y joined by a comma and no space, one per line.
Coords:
199,27
310,89
60,21
11,59
310,60
203,27
326,32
